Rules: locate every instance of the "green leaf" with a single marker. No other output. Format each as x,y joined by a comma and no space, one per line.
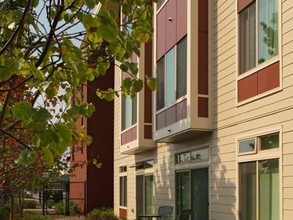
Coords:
49,157
90,3
26,157
64,136
151,83
38,74
123,67
41,116
126,84
21,110
137,86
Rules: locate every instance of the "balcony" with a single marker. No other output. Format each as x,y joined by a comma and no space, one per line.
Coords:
136,115
183,101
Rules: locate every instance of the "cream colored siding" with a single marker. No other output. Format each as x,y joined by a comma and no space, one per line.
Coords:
231,121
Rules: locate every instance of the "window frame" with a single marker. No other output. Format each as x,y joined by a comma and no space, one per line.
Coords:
132,117
123,180
266,63
163,59
260,155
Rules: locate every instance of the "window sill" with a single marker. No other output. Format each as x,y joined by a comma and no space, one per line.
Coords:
258,67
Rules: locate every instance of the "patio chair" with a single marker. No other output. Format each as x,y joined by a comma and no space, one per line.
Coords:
184,215
166,212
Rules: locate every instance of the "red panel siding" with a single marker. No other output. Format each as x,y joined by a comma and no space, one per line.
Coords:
171,115
247,87
148,132
161,120
147,91
171,20
123,213
203,107
203,87
129,135
259,82
181,110
243,4
268,78
161,33
181,19
203,15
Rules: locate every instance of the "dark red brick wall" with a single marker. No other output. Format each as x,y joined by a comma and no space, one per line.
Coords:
101,128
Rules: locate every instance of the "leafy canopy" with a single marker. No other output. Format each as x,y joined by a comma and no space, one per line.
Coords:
48,51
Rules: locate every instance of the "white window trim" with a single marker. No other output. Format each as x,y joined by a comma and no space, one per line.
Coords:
259,66
266,154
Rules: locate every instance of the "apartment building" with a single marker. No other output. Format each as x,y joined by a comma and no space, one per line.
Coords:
217,135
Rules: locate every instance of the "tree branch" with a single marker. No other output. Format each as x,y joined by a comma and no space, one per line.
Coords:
21,23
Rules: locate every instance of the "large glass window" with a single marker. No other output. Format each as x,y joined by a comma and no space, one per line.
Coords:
129,112
259,187
172,75
259,180
258,33
123,186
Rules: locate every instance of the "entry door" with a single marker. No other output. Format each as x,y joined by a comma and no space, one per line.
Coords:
144,194
200,194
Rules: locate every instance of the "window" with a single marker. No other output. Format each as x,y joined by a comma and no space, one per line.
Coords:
171,75
259,179
129,112
160,3
144,165
192,156
123,186
258,33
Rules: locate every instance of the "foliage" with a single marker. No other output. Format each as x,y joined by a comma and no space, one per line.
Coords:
30,204
4,211
102,214
60,208
35,217
49,49
50,203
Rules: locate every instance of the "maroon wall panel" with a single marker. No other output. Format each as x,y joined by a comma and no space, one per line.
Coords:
148,132
171,115
123,213
161,120
181,110
268,78
259,82
181,19
148,93
161,33
243,4
247,87
203,87
171,32
203,107
203,15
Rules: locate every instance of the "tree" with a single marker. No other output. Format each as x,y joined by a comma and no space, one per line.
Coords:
45,46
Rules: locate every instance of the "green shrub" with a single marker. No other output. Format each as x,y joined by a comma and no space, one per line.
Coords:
102,214
50,203
4,211
35,217
60,208
30,204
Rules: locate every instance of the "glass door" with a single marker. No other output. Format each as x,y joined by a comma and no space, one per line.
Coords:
200,194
